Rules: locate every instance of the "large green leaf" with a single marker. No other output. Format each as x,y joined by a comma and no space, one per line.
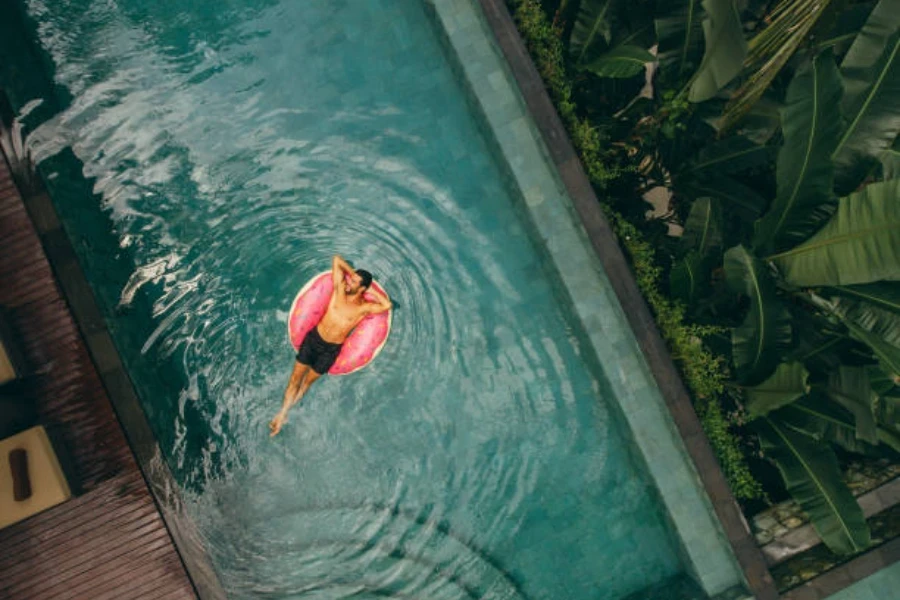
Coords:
887,391
689,278
592,29
789,23
890,161
724,50
843,27
887,354
620,62
884,295
703,227
887,405
759,342
680,35
701,250
826,421
887,411
818,350
732,154
811,122
762,120
860,244
734,195
787,384
882,383
810,472
883,323
849,387
871,103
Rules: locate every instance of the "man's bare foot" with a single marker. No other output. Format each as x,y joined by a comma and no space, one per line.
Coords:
277,423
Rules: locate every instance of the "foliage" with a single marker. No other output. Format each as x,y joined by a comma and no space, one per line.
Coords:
608,39
543,39
789,23
704,373
871,70
855,256
776,129
811,473
805,176
725,50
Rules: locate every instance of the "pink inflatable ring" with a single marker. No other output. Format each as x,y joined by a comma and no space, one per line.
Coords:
363,344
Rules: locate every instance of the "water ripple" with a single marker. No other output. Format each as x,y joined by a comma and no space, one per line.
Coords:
234,148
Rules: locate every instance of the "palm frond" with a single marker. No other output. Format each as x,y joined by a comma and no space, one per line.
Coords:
789,24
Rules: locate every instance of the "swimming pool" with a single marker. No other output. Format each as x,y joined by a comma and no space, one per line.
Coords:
232,149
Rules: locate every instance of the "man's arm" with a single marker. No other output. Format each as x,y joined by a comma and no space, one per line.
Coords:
381,304
339,267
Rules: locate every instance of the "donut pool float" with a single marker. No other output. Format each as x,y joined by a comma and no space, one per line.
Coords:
361,346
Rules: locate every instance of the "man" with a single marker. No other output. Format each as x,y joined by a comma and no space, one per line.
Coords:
321,346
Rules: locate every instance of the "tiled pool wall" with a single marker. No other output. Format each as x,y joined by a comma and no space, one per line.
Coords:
881,585
706,551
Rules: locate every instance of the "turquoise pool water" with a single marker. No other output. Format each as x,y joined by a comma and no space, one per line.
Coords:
231,148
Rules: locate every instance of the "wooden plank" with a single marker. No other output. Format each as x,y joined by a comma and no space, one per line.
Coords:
109,542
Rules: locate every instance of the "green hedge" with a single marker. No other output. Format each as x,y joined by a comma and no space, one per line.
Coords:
703,372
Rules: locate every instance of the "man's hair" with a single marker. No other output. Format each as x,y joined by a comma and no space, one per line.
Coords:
365,276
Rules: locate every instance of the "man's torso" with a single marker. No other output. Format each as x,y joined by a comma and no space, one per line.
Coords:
340,319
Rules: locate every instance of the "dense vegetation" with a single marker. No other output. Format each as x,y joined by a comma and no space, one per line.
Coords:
773,269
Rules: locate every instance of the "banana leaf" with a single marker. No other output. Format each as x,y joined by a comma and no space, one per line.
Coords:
825,421
811,123
887,405
871,103
887,355
818,350
690,277
679,31
787,384
592,29
883,323
811,474
844,28
823,344
759,342
724,50
884,295
762,120
703,227
882,383
860,244
890,162
887,411
620,62
737,197
730,155
849,387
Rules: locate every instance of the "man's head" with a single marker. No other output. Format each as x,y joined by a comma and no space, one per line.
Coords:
359,282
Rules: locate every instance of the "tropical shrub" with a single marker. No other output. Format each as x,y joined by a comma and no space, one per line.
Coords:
776,128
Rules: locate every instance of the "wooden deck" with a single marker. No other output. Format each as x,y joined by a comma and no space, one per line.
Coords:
110,541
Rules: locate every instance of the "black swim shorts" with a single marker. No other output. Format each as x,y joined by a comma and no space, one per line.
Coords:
317,353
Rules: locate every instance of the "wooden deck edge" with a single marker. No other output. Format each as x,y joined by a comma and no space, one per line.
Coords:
79,297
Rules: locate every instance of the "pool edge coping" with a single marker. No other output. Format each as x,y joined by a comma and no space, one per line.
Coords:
570,171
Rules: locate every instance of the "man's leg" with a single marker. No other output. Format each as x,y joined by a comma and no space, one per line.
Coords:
295,389
311,377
